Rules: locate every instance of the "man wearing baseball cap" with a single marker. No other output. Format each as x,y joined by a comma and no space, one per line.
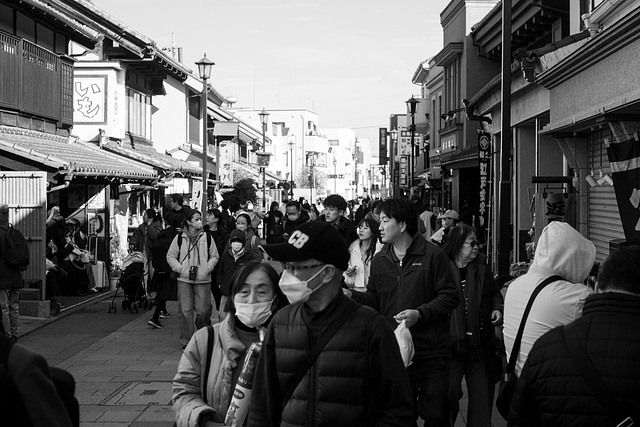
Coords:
449,219
326,360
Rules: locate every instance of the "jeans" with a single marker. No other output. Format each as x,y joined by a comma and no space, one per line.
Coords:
10,311
194,301
429,386
479,387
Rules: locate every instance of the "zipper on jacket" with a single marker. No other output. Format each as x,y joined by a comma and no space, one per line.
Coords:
312,395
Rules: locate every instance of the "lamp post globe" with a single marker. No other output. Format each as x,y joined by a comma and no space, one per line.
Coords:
205,66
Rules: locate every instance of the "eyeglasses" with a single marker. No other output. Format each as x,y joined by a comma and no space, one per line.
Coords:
291,269
473,243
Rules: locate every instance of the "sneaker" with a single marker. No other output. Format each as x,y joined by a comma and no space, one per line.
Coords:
164,315
154,324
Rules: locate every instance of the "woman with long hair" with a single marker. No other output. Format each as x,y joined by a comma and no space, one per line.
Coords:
472,326
255,297
361,252
243,223
193,259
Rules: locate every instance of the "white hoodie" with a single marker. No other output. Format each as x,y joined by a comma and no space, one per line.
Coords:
561,251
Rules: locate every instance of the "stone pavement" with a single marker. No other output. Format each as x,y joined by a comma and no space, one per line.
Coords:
123,367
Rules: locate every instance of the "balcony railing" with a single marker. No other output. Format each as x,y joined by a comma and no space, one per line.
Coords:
35,81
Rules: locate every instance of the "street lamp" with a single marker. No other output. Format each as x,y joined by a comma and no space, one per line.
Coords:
204,70
392,151
264,119
291,146
412,103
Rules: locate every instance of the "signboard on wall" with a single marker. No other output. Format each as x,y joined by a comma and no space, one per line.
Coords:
382,146
90,99
404,171
404,146
484,157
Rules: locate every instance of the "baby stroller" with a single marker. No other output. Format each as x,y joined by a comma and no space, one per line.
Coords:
132,282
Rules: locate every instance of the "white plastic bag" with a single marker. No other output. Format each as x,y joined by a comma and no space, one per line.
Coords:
405,342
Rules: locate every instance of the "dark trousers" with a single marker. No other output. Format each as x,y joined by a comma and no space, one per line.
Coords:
479,388
429,386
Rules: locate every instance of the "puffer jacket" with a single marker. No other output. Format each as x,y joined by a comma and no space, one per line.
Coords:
561,251
188,396
422,281
358,379
552,391
182,258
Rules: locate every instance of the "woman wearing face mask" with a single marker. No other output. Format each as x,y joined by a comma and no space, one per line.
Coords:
193,256
243,223
472,326
254,297
361,252
232,259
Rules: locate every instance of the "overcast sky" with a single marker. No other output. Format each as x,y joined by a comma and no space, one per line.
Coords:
350,61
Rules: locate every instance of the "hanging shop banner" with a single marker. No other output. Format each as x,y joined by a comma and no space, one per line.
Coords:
551,207
404,147
624,159
484,157
382,146
226,169
404,171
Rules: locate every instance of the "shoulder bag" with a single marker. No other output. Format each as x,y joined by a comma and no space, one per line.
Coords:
509,379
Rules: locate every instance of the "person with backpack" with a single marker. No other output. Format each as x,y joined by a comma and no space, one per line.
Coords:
10,274
162,282
32,393
192,257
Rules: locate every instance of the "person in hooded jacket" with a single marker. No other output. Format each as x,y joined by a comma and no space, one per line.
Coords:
561,251
231,260
200,400
193,260
294,216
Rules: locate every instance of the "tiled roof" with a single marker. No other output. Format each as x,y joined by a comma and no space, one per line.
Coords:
466,153
152,157
77,158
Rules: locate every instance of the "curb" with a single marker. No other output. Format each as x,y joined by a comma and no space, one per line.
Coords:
67,311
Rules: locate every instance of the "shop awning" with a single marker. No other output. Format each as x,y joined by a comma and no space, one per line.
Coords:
146,154
459,156
68,157
256,172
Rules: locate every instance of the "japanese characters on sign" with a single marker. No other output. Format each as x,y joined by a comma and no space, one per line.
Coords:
484,157
404,171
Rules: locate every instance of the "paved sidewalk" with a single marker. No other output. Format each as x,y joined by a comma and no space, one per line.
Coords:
123,367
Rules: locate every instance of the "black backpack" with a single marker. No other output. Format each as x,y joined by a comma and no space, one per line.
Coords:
16,251
12,406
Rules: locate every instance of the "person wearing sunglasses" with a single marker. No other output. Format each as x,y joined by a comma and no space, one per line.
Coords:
472,326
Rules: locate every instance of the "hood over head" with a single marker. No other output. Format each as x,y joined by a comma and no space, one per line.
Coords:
563,251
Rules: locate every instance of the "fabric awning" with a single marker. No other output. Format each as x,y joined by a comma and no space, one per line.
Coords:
69,157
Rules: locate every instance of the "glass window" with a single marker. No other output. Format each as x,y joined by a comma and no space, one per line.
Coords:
25,27
6,19
139,113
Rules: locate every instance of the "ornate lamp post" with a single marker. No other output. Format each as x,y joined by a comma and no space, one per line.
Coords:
264,119
412,103
204,70
291,146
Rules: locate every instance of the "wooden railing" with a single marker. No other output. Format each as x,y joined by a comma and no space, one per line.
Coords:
35,81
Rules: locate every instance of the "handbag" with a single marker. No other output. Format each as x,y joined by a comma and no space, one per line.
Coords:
588,371
509,379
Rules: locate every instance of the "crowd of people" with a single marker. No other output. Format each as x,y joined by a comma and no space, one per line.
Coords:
299,330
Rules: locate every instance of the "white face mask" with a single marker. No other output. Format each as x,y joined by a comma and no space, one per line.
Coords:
295,289
253,315
236,246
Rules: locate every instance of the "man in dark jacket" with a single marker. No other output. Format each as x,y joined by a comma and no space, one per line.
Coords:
10,282
334,208
358,377
552,390
411,279
294,217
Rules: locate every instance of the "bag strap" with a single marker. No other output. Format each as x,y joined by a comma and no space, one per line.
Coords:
588,371
210,335
516,343
328,333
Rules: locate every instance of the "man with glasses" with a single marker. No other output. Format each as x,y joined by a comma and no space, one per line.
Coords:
411,279
293,217
326,360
